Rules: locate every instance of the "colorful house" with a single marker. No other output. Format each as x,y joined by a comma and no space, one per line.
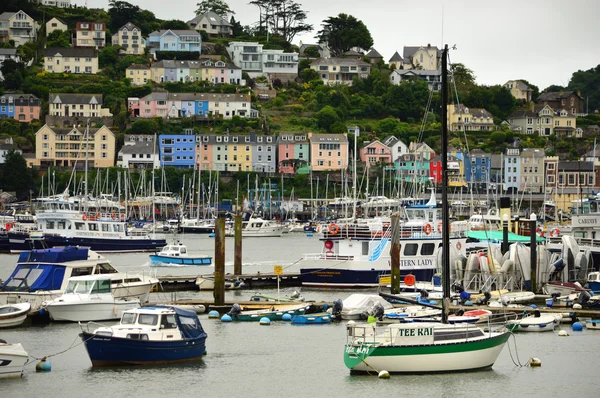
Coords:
292,152
138,74
21,107
178,150
328,151
461,118
130,38
374,153
477,168
174,40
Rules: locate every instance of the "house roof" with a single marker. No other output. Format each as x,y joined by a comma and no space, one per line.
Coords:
352,53
67,98
130,26
212,17
71,52
178,32
339,61
475,112
8,51
5,16
396,57
409,51
80,130
533,152
417,72
555,95
374,54
316,137
478,153
138,66
139,147
59,20
575,166
523,86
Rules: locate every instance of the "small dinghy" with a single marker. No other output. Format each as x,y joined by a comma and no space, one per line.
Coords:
12,359
12,315
535,322
592,324
177,254
309,319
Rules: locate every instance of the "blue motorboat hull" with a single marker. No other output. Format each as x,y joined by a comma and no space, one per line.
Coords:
343,278
309,319
22,242
155,258
113,351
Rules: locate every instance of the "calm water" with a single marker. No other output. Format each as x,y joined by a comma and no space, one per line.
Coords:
283,359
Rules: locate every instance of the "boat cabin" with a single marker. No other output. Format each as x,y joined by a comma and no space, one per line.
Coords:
175,250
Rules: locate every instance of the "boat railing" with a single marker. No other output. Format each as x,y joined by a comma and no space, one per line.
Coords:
85,327
484,281
325,256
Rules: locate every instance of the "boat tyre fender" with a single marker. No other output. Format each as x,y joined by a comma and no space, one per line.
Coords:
427,229
439,227
334,229
84,217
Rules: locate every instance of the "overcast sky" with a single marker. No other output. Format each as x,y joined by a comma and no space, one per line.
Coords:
542,41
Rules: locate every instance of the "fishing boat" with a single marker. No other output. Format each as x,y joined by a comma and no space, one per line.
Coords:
295,297
12,315
147,336
91,298
177,253
43,275
310,319
273,313
535,322
426,347
13,358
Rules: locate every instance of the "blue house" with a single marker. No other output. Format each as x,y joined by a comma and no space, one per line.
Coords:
478,167
201,108
174,40
178,150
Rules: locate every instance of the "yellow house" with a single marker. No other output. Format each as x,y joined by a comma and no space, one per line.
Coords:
328,151
71,60
462,118
239,154
68,147
519,90
138,74
423,58
129,37
55,24
565,124
79,105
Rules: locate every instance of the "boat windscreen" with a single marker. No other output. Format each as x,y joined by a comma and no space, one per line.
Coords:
190,327
35,277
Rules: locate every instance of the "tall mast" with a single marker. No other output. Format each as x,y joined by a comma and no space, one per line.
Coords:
87,143
445,215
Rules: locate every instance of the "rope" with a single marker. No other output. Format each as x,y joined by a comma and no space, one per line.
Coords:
73,345
518,361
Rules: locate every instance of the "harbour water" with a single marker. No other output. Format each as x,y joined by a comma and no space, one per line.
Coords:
282,359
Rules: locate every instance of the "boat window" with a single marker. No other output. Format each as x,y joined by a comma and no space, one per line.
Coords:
427,249
81,271
79,226
117,228
49,224
131,280
128,318
148,319
168,322
137,336
105,227
93,226
71,287
183,250
365,248
410,249
105,268
103,286
460,334
25,277
60,225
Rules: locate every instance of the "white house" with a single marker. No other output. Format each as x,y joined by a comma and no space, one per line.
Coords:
211,23
55,24
397,147
17,26
257,61
139,152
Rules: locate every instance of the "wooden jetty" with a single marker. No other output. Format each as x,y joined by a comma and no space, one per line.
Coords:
209,304
251,281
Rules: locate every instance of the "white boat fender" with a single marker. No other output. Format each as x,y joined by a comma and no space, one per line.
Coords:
577,306
563,333
535,362
43,365
384,374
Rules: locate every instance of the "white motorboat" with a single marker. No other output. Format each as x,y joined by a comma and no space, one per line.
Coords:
91,298
355,305
43,275
258,227
178,254
535,322
12,315
208,283
13,358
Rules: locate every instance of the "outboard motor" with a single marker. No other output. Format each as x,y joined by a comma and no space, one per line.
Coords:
537,313
459,312
583,298
555,295
377,311
235,310
485,299
457,287
338,306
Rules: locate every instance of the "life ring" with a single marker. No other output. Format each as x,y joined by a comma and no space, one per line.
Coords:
114,216
334,229
84,217
555,232
409,280
439,227
539,231
458,246
98,216
427,229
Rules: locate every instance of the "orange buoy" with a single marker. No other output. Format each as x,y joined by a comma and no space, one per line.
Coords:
409,280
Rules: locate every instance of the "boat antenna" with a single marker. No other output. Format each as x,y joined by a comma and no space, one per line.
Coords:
445,215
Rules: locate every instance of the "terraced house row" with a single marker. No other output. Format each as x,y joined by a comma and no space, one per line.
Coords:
213,71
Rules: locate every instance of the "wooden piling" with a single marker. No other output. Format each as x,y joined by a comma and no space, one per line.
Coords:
395,254
237,259
219,292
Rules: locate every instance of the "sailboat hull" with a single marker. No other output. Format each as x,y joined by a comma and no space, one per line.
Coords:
451,357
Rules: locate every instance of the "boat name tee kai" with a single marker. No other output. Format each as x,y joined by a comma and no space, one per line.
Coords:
415,332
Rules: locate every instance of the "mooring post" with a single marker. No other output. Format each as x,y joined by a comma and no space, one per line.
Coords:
533,247
237,260
219,291
395,254
504,233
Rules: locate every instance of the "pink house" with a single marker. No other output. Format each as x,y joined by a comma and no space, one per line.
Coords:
292,152
152,105
204,152
375,152
328,151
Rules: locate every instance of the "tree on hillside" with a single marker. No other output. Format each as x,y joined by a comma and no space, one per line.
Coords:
236,27
344,32
219,7
13,73
285,18
122,12
174,24
554,88
463,78
588,82
15,175
59,38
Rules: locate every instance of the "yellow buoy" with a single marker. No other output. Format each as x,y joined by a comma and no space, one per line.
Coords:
384,374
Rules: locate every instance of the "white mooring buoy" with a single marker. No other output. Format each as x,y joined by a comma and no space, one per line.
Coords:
535,362
563,333
384,374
